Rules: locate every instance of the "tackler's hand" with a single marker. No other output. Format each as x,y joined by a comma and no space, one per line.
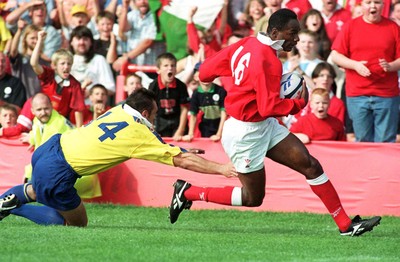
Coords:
196,150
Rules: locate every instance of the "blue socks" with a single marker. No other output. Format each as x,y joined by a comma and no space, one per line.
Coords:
42,215
20,192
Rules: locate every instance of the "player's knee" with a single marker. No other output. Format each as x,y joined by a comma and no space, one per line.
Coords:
312,168
316,166
254,201
31,192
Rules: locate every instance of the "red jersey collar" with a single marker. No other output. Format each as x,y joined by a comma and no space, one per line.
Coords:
162,86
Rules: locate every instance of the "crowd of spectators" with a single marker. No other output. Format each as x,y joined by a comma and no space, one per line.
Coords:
73,50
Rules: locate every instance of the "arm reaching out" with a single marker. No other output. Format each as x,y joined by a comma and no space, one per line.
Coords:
196,163
37,68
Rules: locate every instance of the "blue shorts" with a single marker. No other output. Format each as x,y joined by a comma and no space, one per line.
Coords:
53,179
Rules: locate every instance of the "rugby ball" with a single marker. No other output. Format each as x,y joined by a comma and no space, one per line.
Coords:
291,85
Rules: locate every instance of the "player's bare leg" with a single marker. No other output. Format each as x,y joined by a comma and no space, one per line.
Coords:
253,190
76,217
292,153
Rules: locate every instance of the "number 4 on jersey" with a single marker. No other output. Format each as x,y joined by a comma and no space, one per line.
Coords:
110,129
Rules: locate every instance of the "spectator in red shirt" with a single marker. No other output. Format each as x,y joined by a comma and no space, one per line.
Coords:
63,89
368,48
300,7
319,125
334,17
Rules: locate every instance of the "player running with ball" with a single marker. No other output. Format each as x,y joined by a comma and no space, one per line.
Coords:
252,132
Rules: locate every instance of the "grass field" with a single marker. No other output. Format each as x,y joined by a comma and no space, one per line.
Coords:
126,233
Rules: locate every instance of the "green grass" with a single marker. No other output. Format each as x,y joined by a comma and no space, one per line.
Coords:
126,233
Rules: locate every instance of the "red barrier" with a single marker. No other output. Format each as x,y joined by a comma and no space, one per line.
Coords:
14,156
366,176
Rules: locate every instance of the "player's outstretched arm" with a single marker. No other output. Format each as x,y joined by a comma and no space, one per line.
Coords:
196,163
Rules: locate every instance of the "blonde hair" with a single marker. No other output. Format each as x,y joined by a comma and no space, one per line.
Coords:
61,53
28,30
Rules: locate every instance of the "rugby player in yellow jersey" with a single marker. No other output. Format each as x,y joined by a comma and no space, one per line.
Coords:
122,133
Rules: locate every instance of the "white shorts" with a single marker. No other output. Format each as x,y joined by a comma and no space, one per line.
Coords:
246,143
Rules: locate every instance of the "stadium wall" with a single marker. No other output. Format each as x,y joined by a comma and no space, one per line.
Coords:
366,176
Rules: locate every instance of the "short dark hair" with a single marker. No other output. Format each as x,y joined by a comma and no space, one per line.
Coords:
167,56
9,107
105,14
79,32
280,19
100,86
142,99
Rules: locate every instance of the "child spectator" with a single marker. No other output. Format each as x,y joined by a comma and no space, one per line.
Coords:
173,99
57,82
323,76
20,61
79,17
192,86
314,22
307,59
209,99
106,43
133,82
318,125
8,116
24,122
98,104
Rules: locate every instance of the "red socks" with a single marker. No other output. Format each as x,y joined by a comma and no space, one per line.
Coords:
232,196
219,195
324,189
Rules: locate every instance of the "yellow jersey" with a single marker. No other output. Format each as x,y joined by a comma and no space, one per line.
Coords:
119,134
